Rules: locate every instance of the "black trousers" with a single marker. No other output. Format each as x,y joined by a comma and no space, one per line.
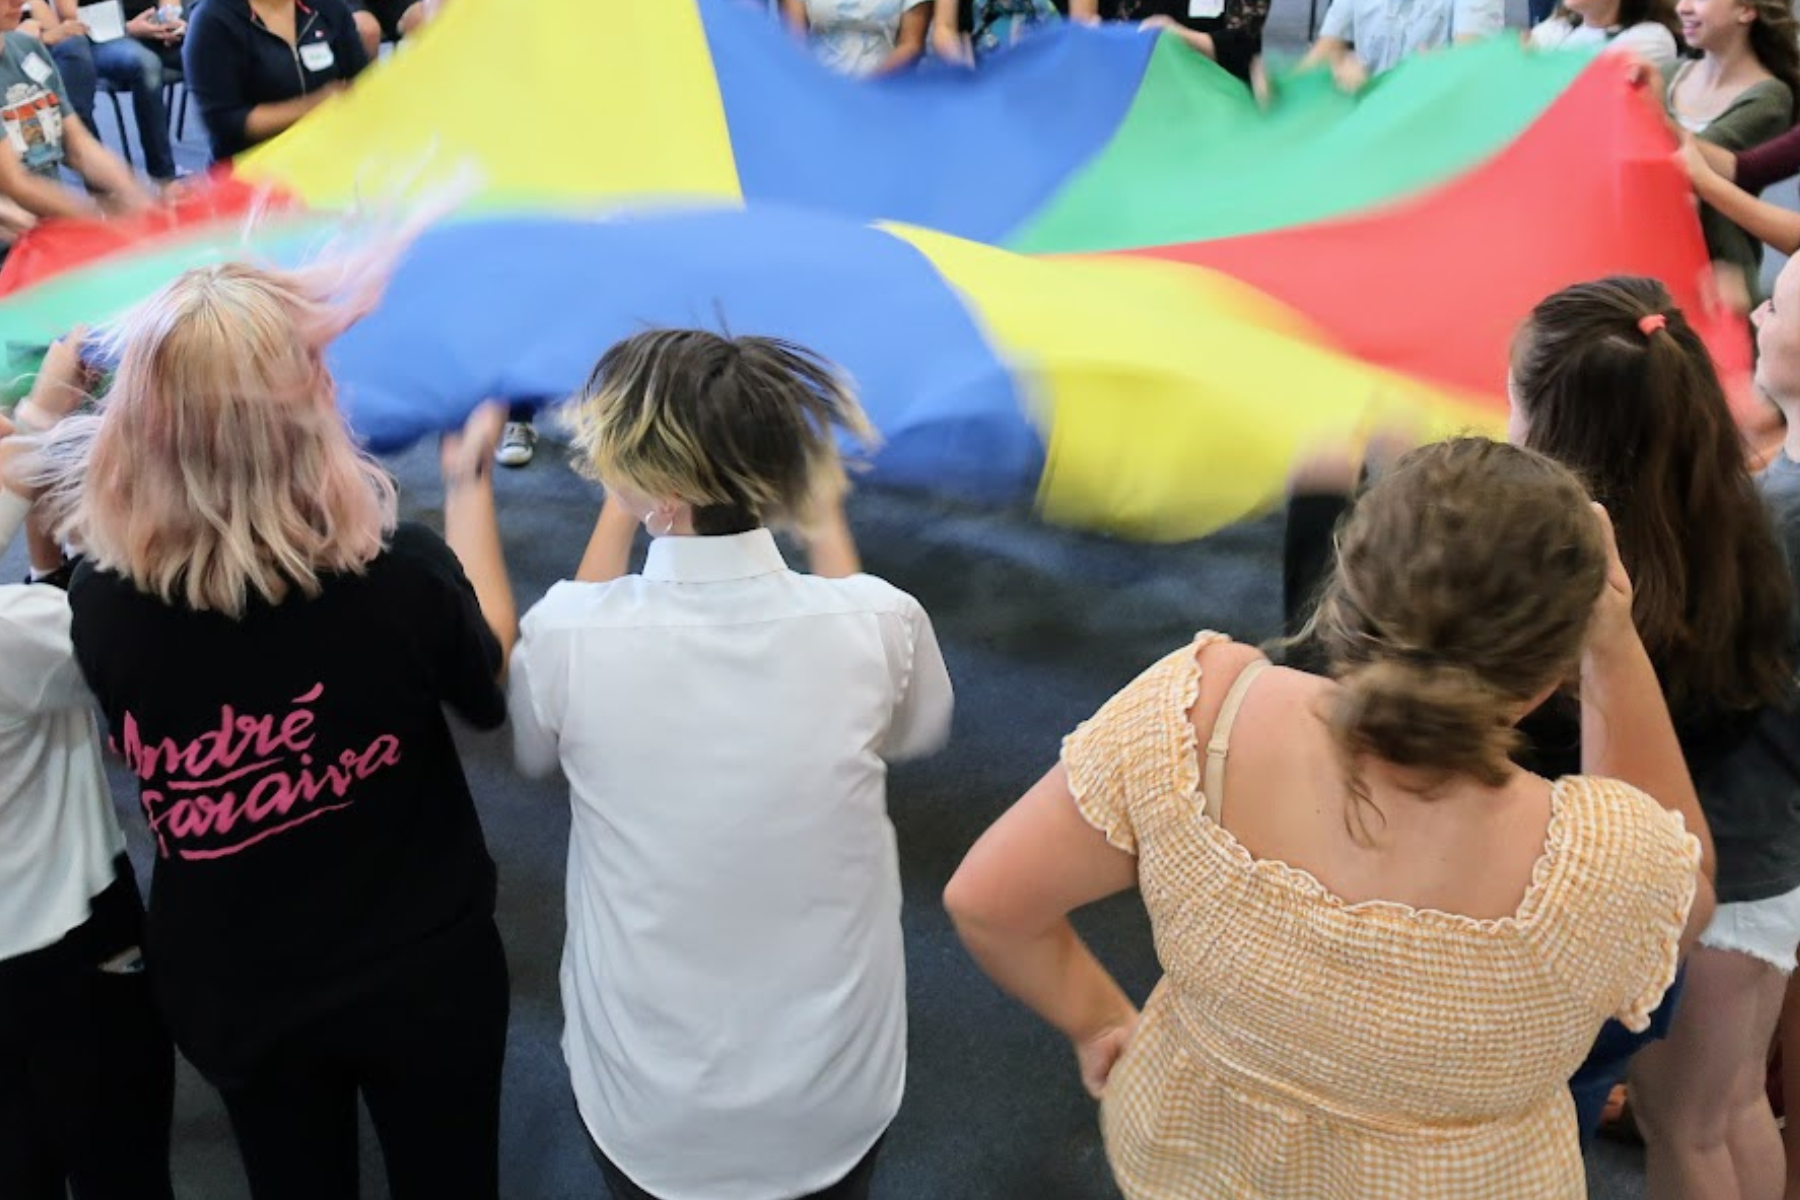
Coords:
854,1186
87,1073
425,1054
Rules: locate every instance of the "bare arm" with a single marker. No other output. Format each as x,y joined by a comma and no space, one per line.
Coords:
830,547
1010,901
104,171
39,196
471,524
947,41
794,13
608,554
1327,51
909,46
1763,221
267,120
1721,160
1626,731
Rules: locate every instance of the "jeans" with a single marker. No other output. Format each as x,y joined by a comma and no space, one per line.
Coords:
129,64
75,63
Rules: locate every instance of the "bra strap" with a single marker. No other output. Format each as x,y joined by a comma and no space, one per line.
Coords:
1213,781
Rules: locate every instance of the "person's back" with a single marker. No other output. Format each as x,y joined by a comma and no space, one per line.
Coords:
733,976
294,741
1386,948
1407,1011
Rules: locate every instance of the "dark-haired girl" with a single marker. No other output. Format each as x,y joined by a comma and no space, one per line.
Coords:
1610,379
1385,946
1741,91
1645,28
733,975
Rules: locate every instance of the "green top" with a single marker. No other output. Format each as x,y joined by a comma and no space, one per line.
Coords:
1761,111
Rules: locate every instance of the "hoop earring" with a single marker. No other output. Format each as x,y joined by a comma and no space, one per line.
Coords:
668,524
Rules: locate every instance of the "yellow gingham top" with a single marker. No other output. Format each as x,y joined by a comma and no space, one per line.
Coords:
1300,1047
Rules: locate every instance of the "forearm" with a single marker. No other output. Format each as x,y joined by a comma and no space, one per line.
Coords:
1761,220
1720,159
472,531
45,552
267,120
1202,42
1326,51
1053,973
1084,10
830,547
104,171
944,17
45,197
1627,734
608,554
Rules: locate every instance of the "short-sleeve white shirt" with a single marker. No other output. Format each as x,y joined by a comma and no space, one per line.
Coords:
1384,32
733,977
58,833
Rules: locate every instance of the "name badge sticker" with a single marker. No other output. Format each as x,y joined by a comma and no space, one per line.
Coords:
1204,10
317,56
37,68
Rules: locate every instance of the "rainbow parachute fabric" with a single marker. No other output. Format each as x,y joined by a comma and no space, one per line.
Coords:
1096,273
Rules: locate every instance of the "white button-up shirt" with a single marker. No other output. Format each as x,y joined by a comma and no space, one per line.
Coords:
733,979
1386,31
58,834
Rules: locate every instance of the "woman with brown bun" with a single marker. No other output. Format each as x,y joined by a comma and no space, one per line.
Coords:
1609,379
1386,946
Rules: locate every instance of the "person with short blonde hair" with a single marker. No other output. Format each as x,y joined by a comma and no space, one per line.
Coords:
725,724
273,653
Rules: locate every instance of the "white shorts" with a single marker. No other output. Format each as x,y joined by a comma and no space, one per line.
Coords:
1768,930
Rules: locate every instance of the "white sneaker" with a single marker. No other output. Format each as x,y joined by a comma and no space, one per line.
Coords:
518,442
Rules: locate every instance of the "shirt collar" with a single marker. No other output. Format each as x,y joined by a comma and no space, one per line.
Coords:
714,559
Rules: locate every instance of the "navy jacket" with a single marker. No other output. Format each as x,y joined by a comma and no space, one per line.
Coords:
233,63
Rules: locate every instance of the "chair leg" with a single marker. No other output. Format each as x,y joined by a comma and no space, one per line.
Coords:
124,134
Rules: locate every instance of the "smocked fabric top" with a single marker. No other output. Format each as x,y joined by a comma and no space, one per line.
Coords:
1300,1045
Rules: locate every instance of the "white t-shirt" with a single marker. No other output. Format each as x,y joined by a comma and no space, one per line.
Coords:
58,833
855,36
734,985
1385,31
1647,40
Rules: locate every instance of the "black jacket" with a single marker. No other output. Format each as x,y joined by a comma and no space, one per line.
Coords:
233,63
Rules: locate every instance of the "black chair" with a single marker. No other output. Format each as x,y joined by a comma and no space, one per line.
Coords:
172,79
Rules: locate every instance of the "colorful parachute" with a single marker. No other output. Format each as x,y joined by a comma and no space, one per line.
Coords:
1096,272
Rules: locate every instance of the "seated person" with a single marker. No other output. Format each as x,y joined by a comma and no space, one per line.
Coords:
130,63
1646,28
381,21
246,81
43,134
1230,32
1360,38
994,24
862,37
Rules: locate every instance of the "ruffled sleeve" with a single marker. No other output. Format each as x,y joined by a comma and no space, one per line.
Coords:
1636,872
1133,763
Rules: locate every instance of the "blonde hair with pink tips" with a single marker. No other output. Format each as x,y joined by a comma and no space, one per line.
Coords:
218,468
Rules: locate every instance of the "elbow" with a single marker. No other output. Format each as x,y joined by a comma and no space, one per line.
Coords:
977,912
964,903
